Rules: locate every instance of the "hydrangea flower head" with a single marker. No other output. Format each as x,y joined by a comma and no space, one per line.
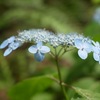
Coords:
84,44
39,51
84,48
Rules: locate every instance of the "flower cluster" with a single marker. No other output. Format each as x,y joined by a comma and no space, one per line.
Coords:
40,36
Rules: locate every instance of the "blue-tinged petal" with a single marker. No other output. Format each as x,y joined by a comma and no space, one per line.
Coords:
95,49
87,46
14,45
4,44
44,49
96,56
82,54
39,56
78,43
39,44
32,49
7,52
11,39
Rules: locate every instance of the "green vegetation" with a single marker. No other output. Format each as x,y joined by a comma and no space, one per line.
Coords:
21,77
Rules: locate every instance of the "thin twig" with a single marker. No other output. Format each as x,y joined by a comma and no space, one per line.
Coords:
51,53
66,51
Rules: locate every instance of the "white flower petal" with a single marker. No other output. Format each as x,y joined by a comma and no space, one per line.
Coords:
4,44
83,54
96,56
7,52
32,49
39,56
97,44
78,43
44,49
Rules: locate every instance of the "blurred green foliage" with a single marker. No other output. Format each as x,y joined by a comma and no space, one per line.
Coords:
58,16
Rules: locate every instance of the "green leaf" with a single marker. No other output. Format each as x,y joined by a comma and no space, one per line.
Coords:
88,95
42,96
27,88
84,83
78,99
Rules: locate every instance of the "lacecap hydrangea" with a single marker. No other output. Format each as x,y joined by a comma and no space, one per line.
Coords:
41,37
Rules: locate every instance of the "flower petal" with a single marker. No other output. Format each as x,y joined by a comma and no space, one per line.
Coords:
78,43
32,49
11,39
7,52
97,44
4,44
14,45
87,46
39,44
96,56
95,49
44,49
83,54
39,56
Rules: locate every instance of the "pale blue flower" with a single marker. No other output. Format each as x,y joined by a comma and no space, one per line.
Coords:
96,51
39,51
84,48
12,45
7,42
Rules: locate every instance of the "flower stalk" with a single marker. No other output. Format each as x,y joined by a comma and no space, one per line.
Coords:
59,75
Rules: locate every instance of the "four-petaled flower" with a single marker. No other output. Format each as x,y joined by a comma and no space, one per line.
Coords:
7,42
39,51
84,48
96,51
12,45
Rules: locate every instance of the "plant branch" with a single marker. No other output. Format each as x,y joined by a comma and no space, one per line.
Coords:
59,74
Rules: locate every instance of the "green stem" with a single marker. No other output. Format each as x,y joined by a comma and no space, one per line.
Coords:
59,75
65,51
60,51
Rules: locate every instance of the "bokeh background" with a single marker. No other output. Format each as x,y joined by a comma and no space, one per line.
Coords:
64,16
